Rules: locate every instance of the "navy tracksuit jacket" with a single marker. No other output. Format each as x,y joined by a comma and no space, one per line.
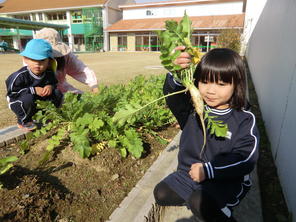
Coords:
21,94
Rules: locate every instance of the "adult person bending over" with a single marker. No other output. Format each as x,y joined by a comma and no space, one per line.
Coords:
68,63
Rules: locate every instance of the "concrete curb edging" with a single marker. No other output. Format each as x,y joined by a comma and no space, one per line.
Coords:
137,205
11,134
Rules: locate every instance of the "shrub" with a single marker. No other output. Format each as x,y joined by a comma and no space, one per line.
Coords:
230,38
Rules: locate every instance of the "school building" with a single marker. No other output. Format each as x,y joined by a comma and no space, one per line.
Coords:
136,30
123,25
86,20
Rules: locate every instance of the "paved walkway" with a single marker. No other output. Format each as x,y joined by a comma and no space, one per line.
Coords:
11,135
249,209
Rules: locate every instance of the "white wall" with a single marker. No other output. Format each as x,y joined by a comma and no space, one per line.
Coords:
112,14
253,12
116,3
272,61
178,11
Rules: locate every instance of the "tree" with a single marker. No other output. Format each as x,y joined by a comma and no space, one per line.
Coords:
230,38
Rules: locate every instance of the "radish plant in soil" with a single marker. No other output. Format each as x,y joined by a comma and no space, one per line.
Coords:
179,34
86,123
6,164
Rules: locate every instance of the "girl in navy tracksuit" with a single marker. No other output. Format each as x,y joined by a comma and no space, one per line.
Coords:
211,183
36,81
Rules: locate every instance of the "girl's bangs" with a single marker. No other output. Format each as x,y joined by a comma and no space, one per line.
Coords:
215,74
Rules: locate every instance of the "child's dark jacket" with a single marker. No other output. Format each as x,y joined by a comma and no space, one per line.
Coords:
23,81
227,161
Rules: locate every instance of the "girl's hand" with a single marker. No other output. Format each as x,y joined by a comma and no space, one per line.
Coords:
47,90
184,59
197,172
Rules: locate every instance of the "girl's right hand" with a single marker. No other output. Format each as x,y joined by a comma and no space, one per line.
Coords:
197,172
184,58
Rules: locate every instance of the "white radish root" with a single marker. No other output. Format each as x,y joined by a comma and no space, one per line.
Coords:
199,107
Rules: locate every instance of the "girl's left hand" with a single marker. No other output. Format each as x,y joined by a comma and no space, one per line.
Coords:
197,172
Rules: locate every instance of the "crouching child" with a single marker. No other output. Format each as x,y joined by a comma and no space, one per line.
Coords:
33,82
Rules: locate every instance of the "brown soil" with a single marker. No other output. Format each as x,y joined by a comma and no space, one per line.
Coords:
69,188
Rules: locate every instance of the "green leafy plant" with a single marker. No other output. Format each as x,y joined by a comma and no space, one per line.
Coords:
6,164
178,34
216,127
87,124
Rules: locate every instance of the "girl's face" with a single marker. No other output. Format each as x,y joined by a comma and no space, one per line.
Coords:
216,94
37,66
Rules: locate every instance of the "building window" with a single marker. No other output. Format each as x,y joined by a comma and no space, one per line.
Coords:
40,16
204,41
148,12
154,43
33,17
78,39
56,16
139,43
142,43
62,16
76,16
122,42
147,42
24,17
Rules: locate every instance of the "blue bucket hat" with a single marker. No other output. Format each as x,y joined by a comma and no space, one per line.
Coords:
37,49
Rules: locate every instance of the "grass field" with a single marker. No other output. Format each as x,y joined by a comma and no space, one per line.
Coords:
110,68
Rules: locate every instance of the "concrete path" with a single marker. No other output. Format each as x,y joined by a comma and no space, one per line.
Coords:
249,209
11,135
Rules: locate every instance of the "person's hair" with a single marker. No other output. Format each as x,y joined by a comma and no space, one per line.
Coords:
226,65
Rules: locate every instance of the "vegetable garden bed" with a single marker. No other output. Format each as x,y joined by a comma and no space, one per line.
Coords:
51,181
70,188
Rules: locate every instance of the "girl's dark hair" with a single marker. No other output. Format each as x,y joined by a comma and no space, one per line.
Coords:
222,64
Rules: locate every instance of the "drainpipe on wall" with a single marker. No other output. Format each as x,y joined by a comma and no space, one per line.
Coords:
15,42
208,42
106,39
43,17
105,16
18,39
31,17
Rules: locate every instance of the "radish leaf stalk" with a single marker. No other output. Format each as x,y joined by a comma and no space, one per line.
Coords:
6,164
